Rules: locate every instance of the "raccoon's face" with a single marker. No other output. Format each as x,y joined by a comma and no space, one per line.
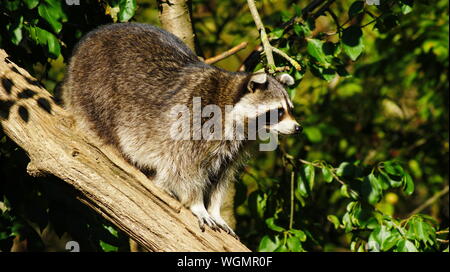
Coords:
267,101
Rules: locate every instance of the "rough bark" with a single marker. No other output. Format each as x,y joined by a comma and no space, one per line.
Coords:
113,188
175,17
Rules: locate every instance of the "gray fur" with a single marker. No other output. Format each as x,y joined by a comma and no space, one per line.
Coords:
121,83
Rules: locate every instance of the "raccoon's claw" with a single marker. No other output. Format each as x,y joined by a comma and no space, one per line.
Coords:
204,219
224,226
216,223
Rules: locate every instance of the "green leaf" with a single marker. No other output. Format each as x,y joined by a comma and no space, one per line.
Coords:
282,248
51,11
329,48
314,134
298,30
342,71
352,41
276,33
347,170
384,181
15,30
302,31
298,10
371,189
393,173
393,168
257,203
422,231
406,246
406,9
127,9
361,215
107,247
356,8
45,38
294,244
270,222
328,74
267,244
305,180
314,49
31,4
345,191
327,174
372,244
347,222
385,237
301,187
299,234
12,5
310,175
111,230
387,22
426,232
5,235
408,184
333,219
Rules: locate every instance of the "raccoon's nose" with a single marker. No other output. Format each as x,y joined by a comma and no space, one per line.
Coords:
298,129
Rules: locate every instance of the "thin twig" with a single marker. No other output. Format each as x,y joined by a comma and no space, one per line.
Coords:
282,69
371,22
430,201
305,13
311,7
336,21
227,53
286,56
291,217
262,32
323,9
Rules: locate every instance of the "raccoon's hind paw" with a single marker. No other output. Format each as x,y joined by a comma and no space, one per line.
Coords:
224,226
204,218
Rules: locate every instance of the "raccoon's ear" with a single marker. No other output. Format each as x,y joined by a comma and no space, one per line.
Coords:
256,79
285,79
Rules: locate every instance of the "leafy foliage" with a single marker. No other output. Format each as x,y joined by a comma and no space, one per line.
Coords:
372,95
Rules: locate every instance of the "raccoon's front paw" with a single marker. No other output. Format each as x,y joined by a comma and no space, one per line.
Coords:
204,218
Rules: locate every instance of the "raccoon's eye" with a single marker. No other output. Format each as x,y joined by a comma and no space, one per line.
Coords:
280,113
274,116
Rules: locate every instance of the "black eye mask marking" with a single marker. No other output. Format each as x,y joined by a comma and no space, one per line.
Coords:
271,117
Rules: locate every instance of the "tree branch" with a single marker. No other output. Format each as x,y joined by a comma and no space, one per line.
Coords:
286,56
262,32
227,53
430,201
109,185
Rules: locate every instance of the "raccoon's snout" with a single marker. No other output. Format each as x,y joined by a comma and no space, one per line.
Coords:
287,127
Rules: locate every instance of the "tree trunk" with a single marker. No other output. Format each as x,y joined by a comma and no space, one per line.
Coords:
109,185
175,17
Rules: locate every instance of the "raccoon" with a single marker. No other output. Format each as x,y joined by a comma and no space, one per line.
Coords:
121,84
